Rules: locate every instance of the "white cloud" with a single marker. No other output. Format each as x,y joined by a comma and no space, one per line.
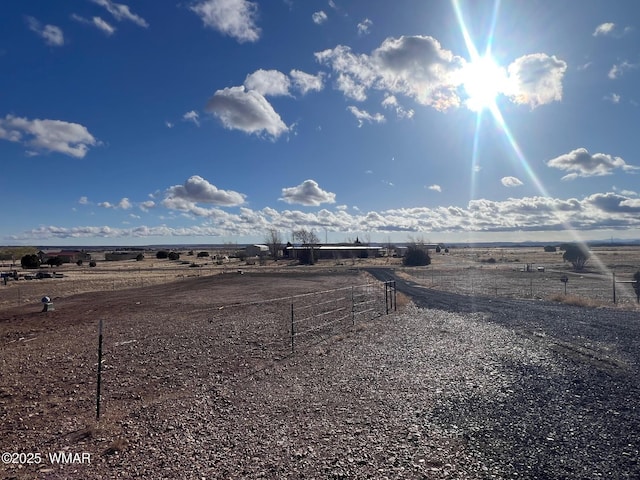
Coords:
580,163
319,17
511,181
96,22
103,25
435,188
244,110
235,18
527,214
391,102
536,79
48,135
416,66
305,82
123,204
51,34
364,116
121,12
83,200
364,27
168,124
613,98
268,82
609,29
147,205
604,29
198,190
307,193
618,70
191,116
419,67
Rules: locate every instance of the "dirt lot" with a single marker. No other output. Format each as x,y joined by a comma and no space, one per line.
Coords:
195,387
162,343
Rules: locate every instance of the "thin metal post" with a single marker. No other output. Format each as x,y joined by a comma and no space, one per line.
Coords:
614,287
98,388
395,298
292,326
386,297
353,308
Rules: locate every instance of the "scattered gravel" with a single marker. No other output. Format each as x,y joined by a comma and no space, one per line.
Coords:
424,393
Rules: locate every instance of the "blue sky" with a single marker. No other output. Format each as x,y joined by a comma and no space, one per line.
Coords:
210,121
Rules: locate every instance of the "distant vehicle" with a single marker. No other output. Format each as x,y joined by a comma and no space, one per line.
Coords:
541,269
41,275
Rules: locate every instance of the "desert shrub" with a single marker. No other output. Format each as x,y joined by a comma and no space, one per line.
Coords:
162,254
54,261
30,261
577,255
438,249
416,256
79,263
307,256
203,254
139,257
550,248
173,256
92,263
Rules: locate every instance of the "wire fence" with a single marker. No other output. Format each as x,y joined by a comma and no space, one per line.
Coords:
543,284
231,342
281,325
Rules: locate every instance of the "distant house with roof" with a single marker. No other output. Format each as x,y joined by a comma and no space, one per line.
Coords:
66,256
334,251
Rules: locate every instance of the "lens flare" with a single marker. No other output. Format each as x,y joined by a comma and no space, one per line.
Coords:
483,80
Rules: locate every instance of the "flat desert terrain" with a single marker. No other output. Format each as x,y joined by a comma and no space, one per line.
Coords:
199,378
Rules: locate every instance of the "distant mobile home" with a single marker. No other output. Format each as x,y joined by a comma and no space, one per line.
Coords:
257,250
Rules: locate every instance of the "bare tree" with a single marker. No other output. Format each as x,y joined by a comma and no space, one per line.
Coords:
306,237
309,239
273,240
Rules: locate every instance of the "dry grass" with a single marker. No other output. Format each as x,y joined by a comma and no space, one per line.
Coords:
576,301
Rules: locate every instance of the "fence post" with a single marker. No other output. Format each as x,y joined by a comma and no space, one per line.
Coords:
292,331
353,308
99,371
395,298
386,297
614,287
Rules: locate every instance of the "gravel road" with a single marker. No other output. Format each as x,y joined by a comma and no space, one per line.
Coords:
575,416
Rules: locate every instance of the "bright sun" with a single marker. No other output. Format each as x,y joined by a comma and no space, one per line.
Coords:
483,80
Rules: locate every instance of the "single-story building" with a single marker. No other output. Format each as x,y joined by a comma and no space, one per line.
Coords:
334,252
67,256
257,250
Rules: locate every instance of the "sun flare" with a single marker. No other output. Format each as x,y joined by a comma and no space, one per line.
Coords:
483,79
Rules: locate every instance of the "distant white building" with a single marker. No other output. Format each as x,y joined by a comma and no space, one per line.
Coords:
257,250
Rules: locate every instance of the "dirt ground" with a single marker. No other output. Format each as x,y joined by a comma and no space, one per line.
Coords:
160,342
182,349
